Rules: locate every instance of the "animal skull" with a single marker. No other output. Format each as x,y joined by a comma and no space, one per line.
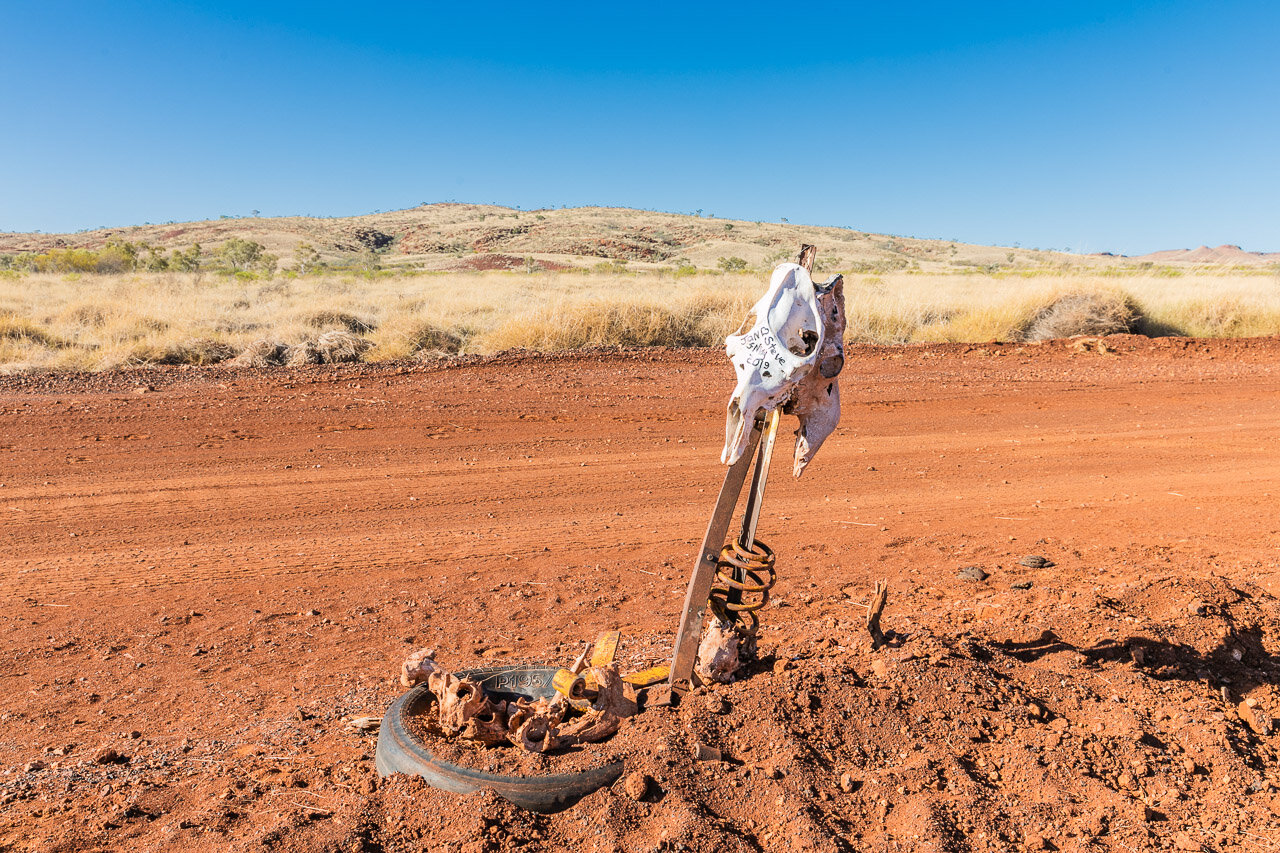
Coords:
772,355
720,652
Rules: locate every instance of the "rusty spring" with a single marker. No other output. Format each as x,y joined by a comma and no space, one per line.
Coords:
755,568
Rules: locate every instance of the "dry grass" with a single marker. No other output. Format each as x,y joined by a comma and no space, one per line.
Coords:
104,322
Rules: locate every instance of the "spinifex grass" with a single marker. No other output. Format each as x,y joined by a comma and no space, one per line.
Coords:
100,322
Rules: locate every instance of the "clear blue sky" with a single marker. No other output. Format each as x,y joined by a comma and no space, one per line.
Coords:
1099,126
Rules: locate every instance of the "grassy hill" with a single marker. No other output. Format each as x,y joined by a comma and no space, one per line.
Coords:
459,237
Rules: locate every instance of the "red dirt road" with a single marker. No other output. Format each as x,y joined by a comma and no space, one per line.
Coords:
209,571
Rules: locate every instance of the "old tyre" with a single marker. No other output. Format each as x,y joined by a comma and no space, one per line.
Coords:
401,751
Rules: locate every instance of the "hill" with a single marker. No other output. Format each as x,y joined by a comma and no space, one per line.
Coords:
450,236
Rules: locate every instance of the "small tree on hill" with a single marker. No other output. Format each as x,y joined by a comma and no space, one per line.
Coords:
239,255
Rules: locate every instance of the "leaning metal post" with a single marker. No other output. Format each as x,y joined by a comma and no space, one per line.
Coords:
697,595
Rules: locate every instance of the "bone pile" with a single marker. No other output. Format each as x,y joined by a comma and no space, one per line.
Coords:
463,710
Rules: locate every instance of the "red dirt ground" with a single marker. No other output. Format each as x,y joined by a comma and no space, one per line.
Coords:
207,573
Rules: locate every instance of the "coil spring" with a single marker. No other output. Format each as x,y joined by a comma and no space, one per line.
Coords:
755,567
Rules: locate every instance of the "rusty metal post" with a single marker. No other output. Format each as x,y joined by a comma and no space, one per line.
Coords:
704,569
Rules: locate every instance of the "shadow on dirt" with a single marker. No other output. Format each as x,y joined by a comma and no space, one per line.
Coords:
1239,663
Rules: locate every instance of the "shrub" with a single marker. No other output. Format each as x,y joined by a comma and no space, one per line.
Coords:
261,353
1082,314
340,319
307,258
15,328
734,264
193,351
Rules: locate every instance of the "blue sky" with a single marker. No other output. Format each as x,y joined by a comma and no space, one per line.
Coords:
1125,127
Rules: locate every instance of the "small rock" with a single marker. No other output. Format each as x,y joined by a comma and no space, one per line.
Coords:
1126,780
1020,585
769,771
847,783
637,785
781,665
301,714
702,752
879,668
1197,608
33,766
717,704
972,573
310,613
1034,841
1036,710
1188,766
107,755
1149,814
365,724
1254,717
1035,561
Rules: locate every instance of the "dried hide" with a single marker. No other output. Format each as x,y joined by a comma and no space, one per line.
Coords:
816,398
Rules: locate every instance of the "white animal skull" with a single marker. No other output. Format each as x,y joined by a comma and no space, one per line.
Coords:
788,355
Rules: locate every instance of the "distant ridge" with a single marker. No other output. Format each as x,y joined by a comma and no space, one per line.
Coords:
1224,254
451,236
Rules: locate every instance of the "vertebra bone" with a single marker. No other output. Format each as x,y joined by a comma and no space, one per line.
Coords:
611,692
533,725
463,702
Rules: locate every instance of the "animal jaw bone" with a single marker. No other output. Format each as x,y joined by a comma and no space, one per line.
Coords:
816,398
773,354
591,727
